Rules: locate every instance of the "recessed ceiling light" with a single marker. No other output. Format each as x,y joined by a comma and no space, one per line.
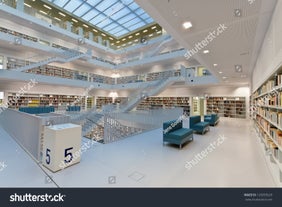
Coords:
94,30
130,37
145,30
74,20
27,5
214,65
136,40
111,38
187,25
151,35
137,34
129,43
62,14
117,41
123,39
206,51
224,77
159,32
43,12
220,72
103,34
48,7
154,27
57,18
85,25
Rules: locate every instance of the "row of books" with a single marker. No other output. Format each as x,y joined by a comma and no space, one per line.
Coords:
271,115
276,81
276,135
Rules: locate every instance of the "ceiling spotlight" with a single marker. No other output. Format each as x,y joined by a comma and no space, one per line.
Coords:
206,51
220,72
238,69
143,40
187,25
224,77
214,65
237,12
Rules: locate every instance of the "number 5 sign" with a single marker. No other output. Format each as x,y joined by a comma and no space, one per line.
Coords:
59,145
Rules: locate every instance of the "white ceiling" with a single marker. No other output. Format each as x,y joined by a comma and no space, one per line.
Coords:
238,44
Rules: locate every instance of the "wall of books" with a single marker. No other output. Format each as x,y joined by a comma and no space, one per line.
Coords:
232,107
267,116
60,102
165,102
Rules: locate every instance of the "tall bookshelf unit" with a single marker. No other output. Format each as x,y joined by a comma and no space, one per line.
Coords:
232,107
60,102
165,102
267,117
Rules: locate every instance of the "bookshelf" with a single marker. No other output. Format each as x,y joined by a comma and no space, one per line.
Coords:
232,107
165,102
267,117
35,100
101,101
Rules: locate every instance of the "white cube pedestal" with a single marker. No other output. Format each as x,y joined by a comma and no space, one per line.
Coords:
61,146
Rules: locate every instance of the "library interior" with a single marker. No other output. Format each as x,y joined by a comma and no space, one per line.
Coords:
136,93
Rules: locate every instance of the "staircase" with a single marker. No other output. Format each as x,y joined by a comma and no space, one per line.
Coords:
92,121
70,55
149,91
159,47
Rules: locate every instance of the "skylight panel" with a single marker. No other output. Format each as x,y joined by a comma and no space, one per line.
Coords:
72,5
105,4
90,14
123,32
104,23
93,2
126,18
82,9
132,22
110,26
60,3
144,16
98,19
139,11
136,26
120,14
133,6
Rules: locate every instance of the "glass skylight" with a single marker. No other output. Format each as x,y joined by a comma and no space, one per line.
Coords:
116,17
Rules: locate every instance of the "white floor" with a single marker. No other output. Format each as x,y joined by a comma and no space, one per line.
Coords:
143,161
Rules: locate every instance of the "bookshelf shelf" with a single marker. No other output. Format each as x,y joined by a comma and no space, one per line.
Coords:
166,102
267,117
233,107
35,100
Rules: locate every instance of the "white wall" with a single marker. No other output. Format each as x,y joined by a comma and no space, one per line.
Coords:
270,57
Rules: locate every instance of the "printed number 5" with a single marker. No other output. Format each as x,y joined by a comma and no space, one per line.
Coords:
48,158
68,155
